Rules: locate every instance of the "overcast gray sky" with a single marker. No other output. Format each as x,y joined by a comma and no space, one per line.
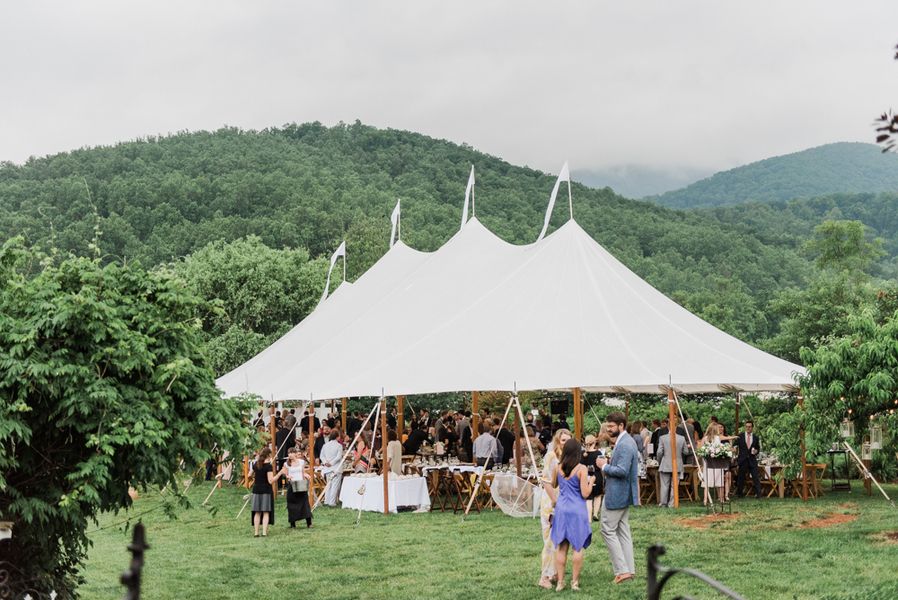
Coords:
671,85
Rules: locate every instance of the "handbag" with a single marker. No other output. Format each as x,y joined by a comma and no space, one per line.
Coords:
300,485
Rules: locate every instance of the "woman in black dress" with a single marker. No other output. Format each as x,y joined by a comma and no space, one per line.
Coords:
263,498
297,501
590,453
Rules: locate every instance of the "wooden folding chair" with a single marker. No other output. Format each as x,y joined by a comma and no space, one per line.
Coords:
464,490
818,476
768,484
435,489
486,493
687,487
647,492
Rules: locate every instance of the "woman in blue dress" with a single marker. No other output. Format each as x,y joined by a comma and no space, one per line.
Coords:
570,522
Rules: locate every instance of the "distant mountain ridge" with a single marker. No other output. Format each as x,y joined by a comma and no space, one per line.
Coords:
843,167
638,181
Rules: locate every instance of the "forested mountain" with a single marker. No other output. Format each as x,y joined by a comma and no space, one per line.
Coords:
792,222
308,186
834,168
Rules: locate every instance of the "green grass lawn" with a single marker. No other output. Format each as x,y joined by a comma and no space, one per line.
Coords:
762,552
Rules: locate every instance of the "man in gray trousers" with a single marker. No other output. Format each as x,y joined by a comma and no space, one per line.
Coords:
665,466
621,491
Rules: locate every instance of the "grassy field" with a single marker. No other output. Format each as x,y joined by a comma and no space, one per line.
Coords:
835,548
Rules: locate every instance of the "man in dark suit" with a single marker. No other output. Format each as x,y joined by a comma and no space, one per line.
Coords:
283,441
749,447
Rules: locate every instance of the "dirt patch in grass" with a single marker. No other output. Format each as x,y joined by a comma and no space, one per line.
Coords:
829,520
707,520
886,537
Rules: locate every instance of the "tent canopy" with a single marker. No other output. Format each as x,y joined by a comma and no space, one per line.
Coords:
482,314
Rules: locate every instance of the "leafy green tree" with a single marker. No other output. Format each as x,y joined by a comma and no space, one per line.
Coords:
840,288
252,295
853,376
842,246
103,387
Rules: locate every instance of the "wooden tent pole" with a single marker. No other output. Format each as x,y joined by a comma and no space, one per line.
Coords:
475,415
578,415
738,406
385,463
246,472
675,475
272,430
517,441
343,403
804,455
400,417
627,410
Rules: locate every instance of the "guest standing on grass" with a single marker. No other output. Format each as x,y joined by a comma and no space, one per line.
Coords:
665,467
570,522
749,446
547,506
297,499
263,498
590,453
621,491
331,459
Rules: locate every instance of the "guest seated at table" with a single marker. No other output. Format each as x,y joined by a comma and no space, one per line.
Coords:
361,458
485,447
417,437
447,434
523,439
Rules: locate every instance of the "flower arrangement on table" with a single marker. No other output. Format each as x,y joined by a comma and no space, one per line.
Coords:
715,450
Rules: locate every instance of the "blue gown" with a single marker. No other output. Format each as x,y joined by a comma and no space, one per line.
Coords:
570,521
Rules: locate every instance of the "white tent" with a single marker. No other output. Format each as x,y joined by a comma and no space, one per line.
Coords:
332,314
482,314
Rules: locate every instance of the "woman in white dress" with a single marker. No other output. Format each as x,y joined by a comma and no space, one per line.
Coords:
715,468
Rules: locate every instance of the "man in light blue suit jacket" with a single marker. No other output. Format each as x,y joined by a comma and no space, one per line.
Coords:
621,491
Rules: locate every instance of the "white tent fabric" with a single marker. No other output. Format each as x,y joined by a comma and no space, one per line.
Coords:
482,314
331,315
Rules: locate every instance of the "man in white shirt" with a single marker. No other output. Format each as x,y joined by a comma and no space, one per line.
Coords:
331,458
485,446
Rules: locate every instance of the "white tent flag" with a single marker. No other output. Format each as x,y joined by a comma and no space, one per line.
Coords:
341,251
468,189
563,175
394,219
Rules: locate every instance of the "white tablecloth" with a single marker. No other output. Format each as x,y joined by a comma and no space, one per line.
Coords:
402,492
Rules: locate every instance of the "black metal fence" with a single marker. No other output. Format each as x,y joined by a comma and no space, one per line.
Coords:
658,575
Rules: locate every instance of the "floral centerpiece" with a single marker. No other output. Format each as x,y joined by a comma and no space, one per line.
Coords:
715,450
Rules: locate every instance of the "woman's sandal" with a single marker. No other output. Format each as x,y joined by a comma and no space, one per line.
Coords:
560,585
545,583
575,586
